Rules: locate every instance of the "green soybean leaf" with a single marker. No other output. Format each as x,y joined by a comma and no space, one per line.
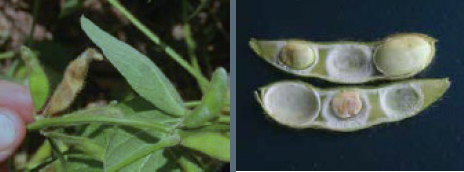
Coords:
136,104
188,164
98,133
80,143
76,163
224,119
151,162
123,143
130,148
154,116
38,81
212,101
83,163
141,73
196,158
41,155
126,143
140,109
211,143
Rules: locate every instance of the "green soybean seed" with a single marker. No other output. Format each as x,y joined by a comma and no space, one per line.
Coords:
300,105
397,56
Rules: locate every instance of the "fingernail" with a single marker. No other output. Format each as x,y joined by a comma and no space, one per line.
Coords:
7,131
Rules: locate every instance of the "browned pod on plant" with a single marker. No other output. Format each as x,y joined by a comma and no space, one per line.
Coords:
72,83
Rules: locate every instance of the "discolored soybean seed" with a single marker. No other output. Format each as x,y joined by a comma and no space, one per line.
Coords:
346,104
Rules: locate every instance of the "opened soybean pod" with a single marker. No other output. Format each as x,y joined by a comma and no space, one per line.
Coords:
395,57
300,105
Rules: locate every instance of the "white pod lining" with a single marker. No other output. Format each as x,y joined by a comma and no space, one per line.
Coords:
350,63
292,104
402,100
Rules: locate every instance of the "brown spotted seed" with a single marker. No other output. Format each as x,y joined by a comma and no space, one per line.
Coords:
346,104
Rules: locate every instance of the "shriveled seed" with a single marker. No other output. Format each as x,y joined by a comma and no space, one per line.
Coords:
346,104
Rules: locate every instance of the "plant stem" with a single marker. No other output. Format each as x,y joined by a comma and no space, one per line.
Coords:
81,143
7,55
219,24
57,153
209,128
224,119
35,13
87,119
203,4
191,45
203,82
12,68
192,103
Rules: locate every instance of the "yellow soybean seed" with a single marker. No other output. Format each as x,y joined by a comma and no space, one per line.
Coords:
297,55
397,56
404,54
300,105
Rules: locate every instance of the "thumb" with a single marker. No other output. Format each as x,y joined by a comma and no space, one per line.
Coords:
12,132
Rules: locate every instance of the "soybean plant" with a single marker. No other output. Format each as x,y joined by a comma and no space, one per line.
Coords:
164,136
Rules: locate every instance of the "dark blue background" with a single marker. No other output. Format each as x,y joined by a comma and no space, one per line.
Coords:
432,140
